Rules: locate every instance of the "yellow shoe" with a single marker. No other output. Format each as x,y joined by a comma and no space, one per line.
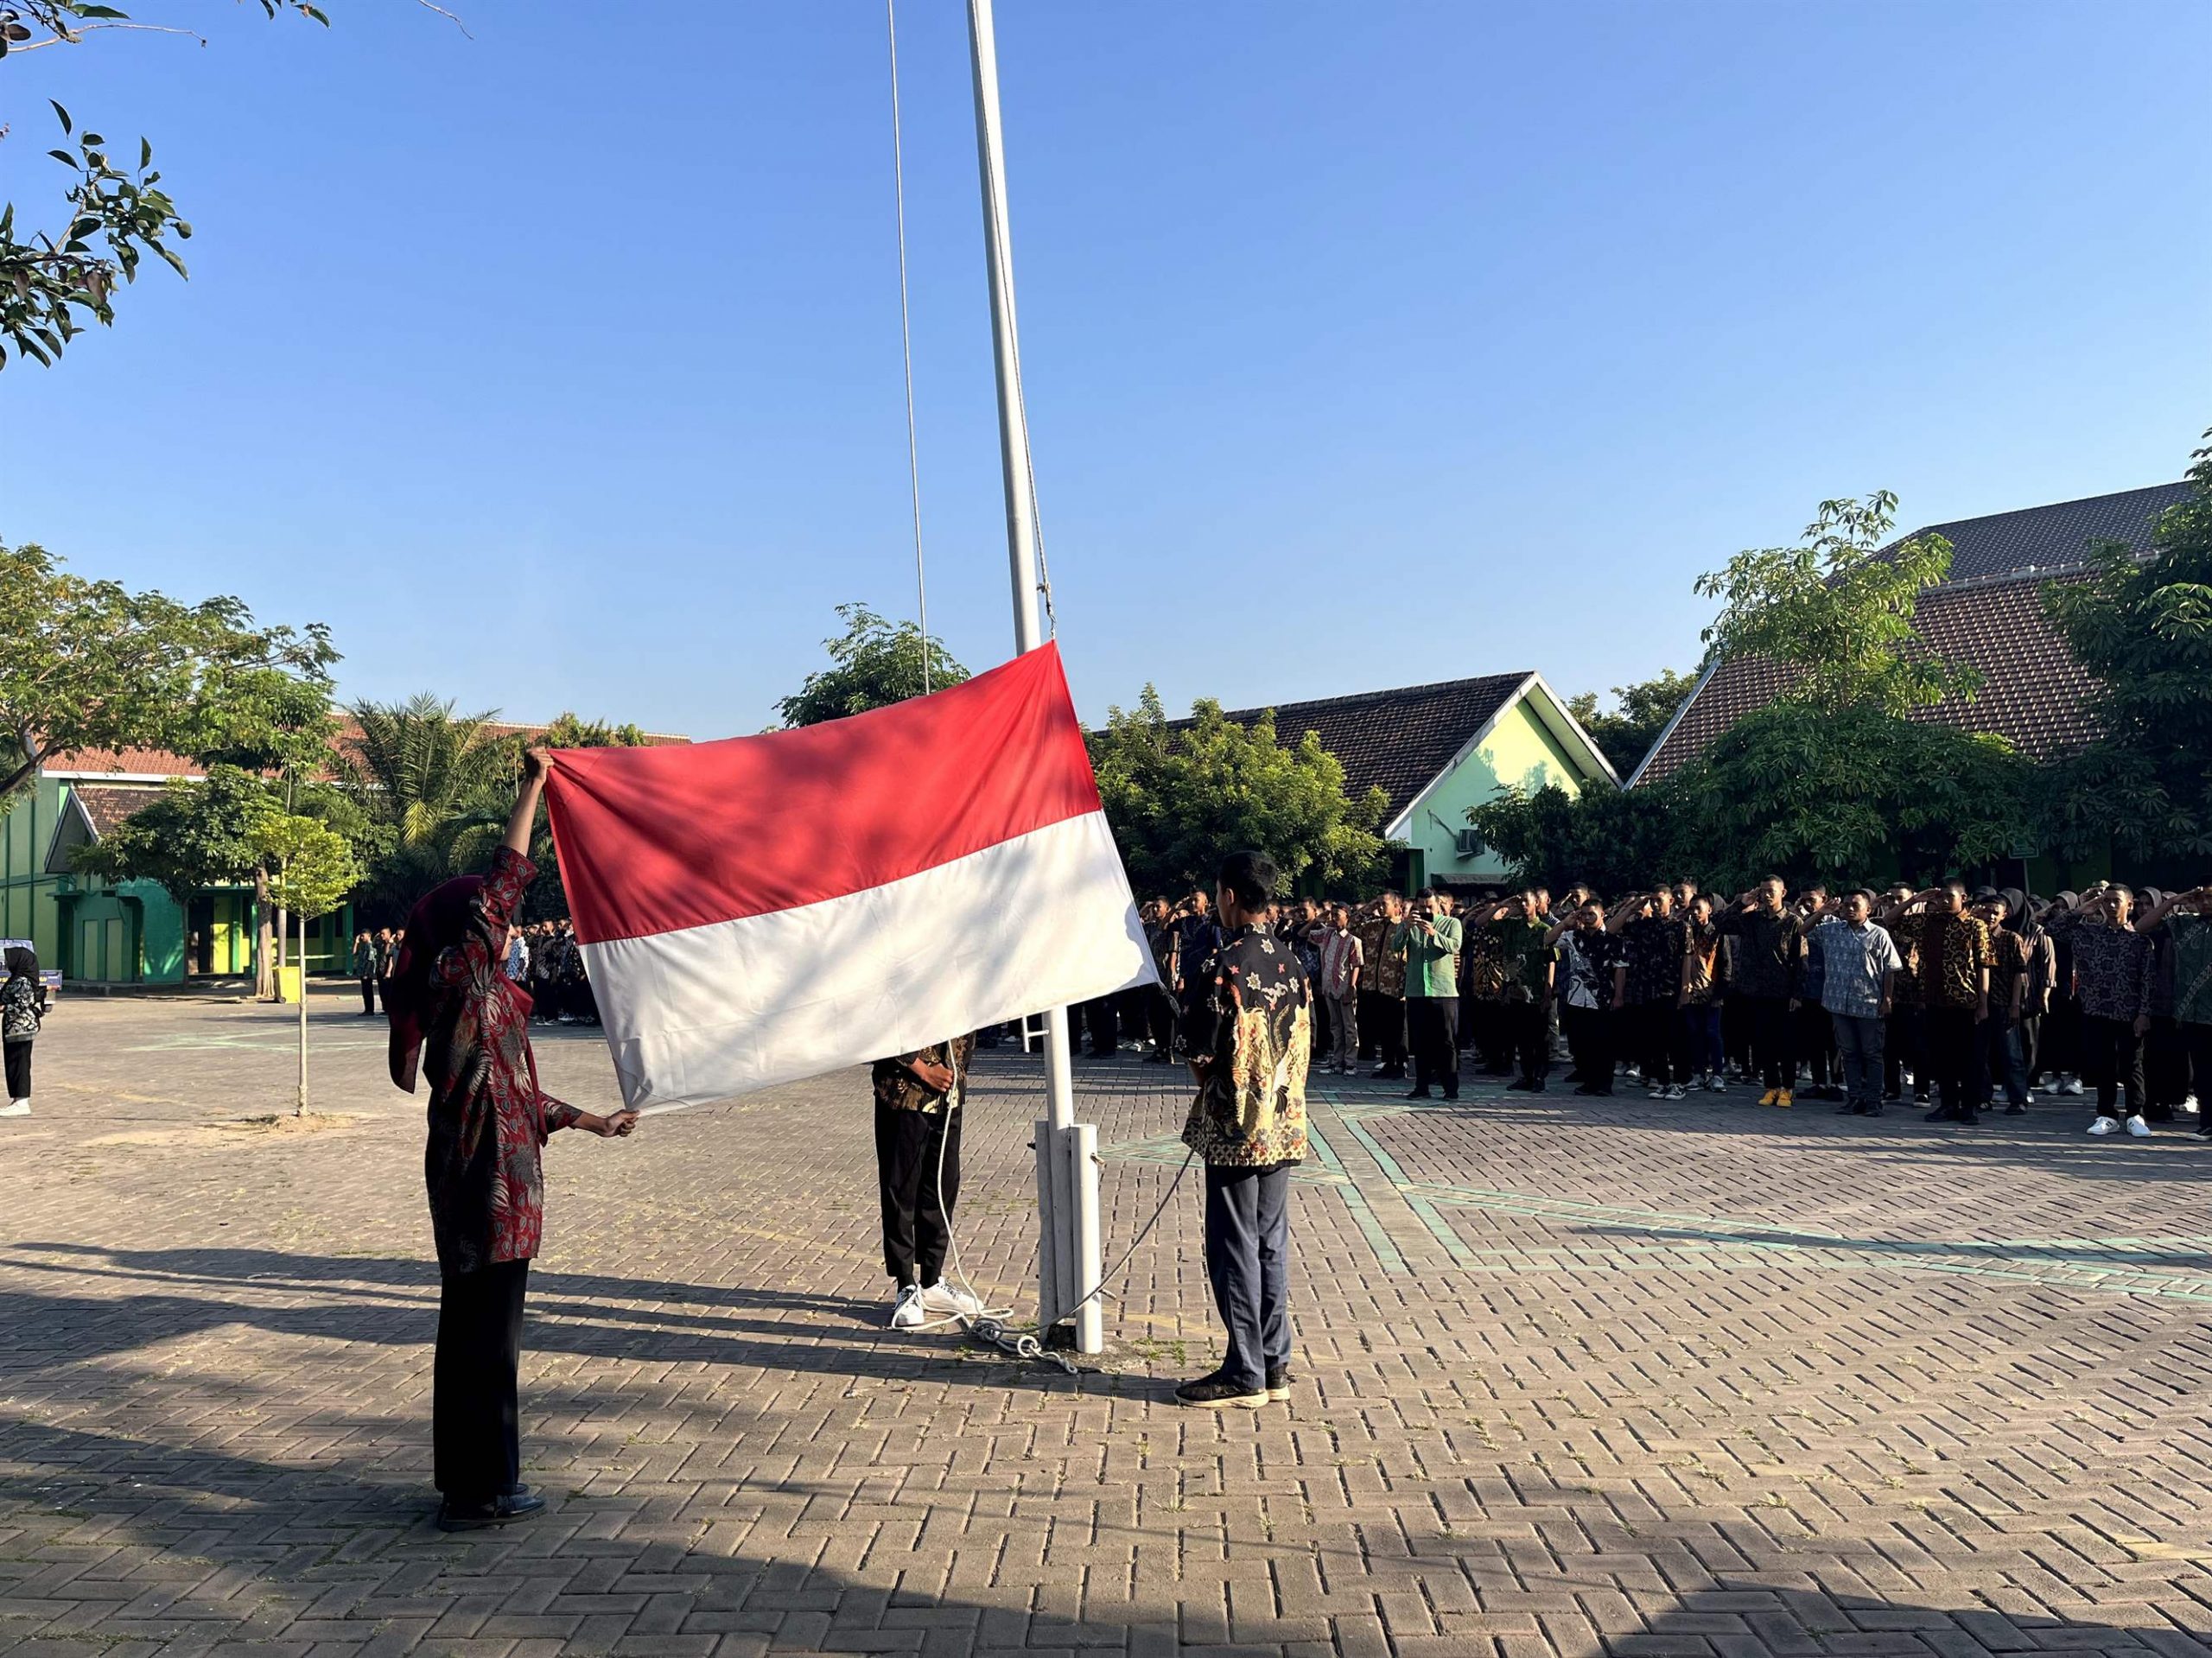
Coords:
1781,1098
1767,1098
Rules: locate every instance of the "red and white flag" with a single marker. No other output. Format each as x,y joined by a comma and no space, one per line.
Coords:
767,908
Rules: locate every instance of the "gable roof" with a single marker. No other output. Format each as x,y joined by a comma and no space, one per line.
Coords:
90,812
1394,740
1987,612
1402,741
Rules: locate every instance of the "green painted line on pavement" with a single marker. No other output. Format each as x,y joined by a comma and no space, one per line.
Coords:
1453,1244
1362,1212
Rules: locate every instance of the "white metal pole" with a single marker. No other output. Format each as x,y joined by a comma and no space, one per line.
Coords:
301,1109
1061,1225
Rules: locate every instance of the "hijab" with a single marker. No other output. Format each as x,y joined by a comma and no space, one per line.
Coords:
2019,917
22,962
440,920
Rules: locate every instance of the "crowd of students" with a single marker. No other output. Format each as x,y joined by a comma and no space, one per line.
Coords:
544,958
1957,1000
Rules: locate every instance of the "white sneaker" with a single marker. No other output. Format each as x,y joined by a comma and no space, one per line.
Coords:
2103,1126
16,1109
1655,1093
906,1312
2137,1128
945,1301
1678,1092
2071,1085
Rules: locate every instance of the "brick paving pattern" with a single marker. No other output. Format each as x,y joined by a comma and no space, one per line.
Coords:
1575,1377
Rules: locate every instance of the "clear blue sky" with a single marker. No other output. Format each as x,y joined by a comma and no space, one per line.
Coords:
559,367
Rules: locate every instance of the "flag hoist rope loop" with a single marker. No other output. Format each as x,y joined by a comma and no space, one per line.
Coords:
906,342
907,337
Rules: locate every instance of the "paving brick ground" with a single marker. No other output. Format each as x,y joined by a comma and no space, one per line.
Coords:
1575,1377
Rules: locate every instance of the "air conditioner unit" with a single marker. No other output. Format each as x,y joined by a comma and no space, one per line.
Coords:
1470,844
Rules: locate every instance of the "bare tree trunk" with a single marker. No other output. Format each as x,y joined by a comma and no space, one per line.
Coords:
264,954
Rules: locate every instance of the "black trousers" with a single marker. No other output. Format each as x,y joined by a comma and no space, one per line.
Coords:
1772,1050
1736,1029
1383,1027
1589,1040
19,1069
474,1442
2058,1051
1103,1017
2112,1058
1813,1038
1433,1022
1248,1262
1951,1039
1486,1027
368,995
1159,1018
1901,1050
1654,1024
916,1226
2165,1067
1529,1026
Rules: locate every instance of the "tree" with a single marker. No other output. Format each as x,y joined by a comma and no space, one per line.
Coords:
1182,799
2144,627
1640,713
191,836
112,216
92,664
1836,613
874,664
313,870
433,780
1833,778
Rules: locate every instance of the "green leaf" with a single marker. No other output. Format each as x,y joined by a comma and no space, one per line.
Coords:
145,153
66,125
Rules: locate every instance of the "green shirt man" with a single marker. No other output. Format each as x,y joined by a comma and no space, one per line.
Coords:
1431,944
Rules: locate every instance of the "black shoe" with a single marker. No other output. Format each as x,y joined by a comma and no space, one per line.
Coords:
1941,1114
1590,1088
1212,1392
1279,1380
1535,1084
1874,1110
2015,1110
1417,1094
1969,1120
1522,1085
502,1510
1451,1093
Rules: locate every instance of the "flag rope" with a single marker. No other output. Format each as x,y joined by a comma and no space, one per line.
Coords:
906,338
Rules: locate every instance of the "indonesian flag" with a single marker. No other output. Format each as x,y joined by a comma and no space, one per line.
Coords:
763,909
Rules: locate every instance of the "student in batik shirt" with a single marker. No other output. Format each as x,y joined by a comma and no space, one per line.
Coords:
2182,925
1249,1038
453,1007
1953,964
2004,1052
919,1098
2111,978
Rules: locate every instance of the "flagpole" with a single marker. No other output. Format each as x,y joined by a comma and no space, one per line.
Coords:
1067,1193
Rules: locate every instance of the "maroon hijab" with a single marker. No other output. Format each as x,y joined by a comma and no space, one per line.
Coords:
440,919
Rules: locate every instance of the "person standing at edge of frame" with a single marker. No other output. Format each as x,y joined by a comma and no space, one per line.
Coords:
1250,1039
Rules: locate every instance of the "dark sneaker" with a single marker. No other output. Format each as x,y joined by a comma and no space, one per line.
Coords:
1279,1380
1416,1093
1215,1393
501,1511
1941,1114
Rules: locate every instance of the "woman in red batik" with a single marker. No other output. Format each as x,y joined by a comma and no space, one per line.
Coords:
451,1004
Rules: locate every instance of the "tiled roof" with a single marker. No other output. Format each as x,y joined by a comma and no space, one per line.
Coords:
2038,540
2033,691
157,762
129,762
1396,740
107,805
1988,612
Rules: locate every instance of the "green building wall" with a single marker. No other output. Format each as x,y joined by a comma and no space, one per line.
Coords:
1520,752
27,909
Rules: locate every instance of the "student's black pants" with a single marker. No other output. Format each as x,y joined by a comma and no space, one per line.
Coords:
18,1069
916,1224
1248,1262
368,995
1813,1036
2112,1058
1490,1033
1901,1049
2165,1068
1159,1018
1950,1037
1529,1025
1383,1027
1771,1048
1736,1029
475,1448
1103,1017
1589,1040
1655,1041
1432,1023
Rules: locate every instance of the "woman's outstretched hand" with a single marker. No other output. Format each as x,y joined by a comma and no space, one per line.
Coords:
617,1127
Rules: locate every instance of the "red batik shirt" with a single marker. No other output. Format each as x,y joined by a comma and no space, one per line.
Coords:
488,1116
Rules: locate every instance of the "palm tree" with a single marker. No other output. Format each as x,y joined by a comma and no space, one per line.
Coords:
437,780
